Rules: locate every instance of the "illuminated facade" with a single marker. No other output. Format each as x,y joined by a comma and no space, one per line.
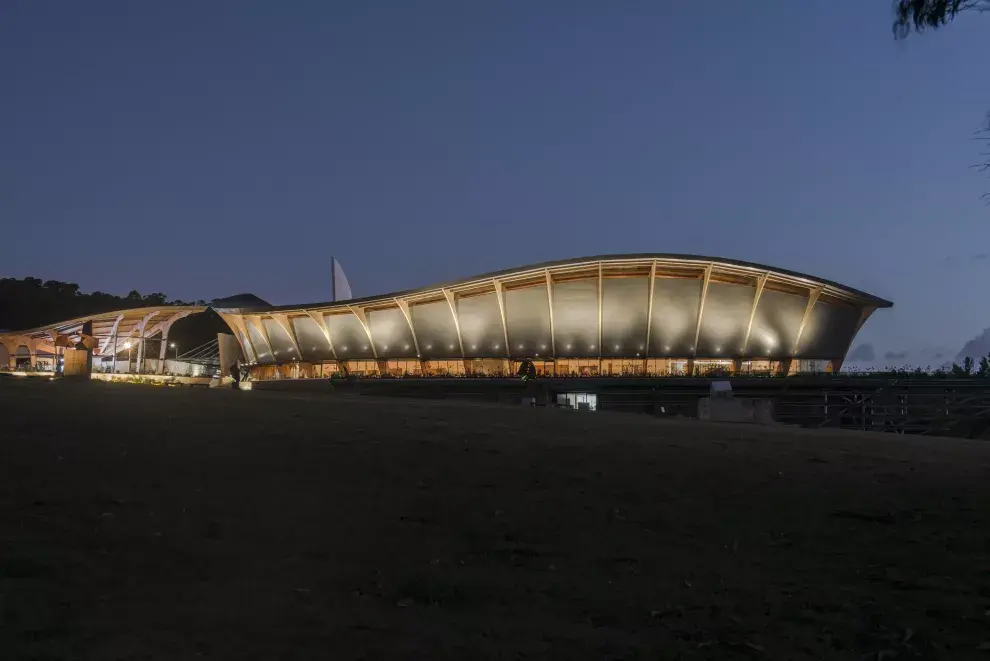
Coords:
609,315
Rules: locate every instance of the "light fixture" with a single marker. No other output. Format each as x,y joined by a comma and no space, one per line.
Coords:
407,346
171,345
616,347
474,346
592,346
127,345
568,346
667,348
495,346
543,346
451,346
343,348
364,347
429,346
520,346
641,347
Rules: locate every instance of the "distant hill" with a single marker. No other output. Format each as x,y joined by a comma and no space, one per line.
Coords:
976,348
240,301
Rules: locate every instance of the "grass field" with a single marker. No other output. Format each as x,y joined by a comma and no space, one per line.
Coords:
149,523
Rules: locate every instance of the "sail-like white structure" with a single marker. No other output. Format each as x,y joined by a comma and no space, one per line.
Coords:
338,281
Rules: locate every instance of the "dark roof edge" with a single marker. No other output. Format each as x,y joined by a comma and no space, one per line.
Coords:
869,298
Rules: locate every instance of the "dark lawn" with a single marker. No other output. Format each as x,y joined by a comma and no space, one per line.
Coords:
149,523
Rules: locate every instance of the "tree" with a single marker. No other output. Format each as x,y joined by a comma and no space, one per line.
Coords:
920,15
965,371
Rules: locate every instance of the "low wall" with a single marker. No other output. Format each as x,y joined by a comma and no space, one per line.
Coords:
294,385
154,379
733,409
177,367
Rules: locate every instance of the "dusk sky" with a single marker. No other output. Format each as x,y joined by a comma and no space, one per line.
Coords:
204,149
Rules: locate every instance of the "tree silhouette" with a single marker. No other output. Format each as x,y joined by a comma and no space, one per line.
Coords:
920,15
29,302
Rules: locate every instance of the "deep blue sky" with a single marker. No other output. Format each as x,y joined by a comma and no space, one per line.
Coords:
210,148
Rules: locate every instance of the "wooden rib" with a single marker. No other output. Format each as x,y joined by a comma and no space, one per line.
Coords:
812,298
649,308
500,296
404,308
449,296
701,308
362,317
283,321
321,321
760,283
236,321
600,301
260,327
553,345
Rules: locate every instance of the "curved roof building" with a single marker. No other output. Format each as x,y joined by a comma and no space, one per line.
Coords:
658,311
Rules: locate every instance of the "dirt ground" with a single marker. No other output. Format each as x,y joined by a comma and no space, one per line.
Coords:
146,523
